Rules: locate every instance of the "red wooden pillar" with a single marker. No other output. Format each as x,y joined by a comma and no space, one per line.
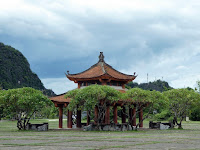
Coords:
131,116
69,119
79,85
88,117
107,115
123,114
95,114
60,116
78,119
141,117
134,116
115,114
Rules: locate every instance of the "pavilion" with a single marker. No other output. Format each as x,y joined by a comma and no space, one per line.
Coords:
100,73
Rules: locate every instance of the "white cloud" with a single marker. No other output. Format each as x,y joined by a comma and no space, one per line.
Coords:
157,37
59,85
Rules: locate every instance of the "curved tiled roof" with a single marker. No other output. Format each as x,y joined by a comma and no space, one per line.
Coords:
101,69
60,98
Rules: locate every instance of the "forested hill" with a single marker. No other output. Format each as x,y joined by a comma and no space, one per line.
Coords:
15,71
156,85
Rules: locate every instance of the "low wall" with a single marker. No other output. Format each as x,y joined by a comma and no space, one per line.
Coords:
109,127
160,125
38,127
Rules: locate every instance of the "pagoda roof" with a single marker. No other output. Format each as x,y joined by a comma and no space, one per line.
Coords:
60,98
100,70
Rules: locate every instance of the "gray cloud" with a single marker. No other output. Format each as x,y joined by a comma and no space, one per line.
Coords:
156,37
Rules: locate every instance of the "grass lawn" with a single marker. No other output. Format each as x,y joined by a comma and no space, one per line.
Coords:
11,138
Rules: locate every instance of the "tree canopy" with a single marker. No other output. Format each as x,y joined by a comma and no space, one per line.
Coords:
93,96
149,100
180,102
90,96
21,104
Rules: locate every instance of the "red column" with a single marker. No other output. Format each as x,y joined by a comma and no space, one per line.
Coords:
69,119
115,114
79,85
134,114
107,115
60,116
123,114
131,116
95,114
141,117
88,117
78,119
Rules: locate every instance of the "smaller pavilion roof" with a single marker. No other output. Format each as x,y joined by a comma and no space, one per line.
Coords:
100,70
60,98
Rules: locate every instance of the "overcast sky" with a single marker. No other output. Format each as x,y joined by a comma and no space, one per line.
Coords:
161,38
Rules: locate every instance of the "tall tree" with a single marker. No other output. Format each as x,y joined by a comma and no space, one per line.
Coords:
146,100
21,104
180,102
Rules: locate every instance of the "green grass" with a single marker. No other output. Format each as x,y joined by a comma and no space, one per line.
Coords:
10,136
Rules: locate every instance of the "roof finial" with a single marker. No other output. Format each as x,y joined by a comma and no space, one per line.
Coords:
101,57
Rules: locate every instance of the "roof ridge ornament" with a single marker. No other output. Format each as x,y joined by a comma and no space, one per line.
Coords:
101,57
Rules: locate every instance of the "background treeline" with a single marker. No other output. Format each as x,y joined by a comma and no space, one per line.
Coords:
156,85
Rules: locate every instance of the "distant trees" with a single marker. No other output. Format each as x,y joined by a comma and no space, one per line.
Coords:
21,104
156,85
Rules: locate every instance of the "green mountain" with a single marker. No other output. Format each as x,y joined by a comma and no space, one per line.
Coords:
15,71
156,85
